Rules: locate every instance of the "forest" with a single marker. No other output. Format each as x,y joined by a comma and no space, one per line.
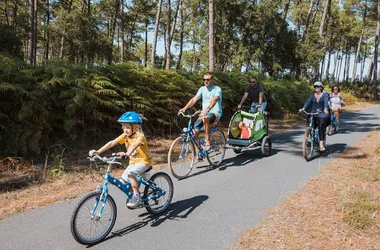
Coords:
69,68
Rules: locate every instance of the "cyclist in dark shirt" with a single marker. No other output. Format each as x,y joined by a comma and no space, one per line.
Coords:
319,100
255,92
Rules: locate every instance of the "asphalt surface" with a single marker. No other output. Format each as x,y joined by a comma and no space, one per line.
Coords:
210,209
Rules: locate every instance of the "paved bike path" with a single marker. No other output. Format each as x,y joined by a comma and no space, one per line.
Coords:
210,209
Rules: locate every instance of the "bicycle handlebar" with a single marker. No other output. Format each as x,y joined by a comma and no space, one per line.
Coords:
315,113
189,116
110,159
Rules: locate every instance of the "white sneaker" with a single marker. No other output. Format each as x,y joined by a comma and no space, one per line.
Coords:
135,201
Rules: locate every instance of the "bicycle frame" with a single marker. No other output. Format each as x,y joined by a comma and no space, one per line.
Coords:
314,131
190,135
125,188
333,119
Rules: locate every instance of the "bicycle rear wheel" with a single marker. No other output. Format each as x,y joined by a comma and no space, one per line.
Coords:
181,157
218,148
86,227
307,145
158,205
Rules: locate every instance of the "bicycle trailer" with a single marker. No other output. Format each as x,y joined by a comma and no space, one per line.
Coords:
248,131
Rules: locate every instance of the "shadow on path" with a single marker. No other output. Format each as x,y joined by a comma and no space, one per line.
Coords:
177,210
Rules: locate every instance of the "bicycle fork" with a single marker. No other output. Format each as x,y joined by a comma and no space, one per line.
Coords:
102,198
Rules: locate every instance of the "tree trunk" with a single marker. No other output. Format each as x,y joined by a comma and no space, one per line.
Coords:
193,65
370,70
174,21
357,56
315,13
285,13
146,41
340,65
122,47
298,19
46,33
363,63
35,36
113,30
63,37
181,36
31,33
154,44
345,66
167,38
322,67
325,18
375,53
335,65
348,64
327,74
359,43
308,20
211,35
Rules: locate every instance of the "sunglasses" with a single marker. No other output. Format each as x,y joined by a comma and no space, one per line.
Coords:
206,79
317,86
253,81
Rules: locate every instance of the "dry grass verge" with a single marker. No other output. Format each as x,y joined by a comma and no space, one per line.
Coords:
338,209
67,186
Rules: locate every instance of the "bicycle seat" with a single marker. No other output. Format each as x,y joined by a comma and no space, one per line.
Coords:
147,170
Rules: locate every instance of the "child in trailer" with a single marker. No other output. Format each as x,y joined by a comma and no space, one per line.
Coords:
245,130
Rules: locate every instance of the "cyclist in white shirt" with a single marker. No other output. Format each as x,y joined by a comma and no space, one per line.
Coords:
336,101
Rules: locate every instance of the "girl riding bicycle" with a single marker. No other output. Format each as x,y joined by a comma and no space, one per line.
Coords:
319,100
336,101
137,150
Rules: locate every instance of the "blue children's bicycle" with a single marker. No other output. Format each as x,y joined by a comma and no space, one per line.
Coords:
310,145
95,215
183,154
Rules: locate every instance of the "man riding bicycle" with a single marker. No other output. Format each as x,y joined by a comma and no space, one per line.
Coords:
255,92
211,96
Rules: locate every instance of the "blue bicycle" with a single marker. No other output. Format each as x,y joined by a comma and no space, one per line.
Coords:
95,215
183,151
310,145
334,125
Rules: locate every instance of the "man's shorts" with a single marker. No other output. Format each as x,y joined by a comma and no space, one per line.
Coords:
198,125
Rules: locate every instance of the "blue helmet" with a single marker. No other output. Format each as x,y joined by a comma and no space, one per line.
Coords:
130,117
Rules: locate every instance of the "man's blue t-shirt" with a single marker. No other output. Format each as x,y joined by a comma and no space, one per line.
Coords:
207,95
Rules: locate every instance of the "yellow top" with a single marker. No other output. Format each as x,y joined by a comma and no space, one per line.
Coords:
141,154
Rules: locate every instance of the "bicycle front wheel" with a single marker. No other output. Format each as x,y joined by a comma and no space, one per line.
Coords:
162,183
307,145
87,227
216,154
181,157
